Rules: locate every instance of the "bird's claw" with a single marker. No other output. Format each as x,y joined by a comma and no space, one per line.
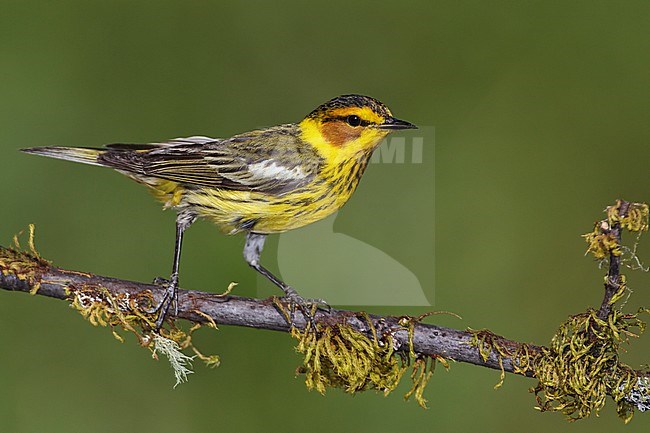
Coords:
161,281
169,297
307,306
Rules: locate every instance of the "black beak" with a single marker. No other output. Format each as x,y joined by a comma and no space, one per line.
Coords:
393,123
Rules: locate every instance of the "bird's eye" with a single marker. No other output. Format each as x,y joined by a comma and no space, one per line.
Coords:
353,120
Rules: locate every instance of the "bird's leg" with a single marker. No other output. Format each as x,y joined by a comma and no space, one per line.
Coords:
253,251
183,221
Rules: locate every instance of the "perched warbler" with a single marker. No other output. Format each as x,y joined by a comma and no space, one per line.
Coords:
259,182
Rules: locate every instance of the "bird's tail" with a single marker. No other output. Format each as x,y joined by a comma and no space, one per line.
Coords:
76,154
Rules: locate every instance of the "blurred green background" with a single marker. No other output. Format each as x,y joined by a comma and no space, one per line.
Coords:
541,117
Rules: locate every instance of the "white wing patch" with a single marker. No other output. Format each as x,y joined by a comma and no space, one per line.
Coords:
269,169
195,139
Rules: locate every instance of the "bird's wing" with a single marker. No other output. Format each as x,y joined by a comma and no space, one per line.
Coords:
270,161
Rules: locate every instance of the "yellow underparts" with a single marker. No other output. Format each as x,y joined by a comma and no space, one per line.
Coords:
168,192
234,211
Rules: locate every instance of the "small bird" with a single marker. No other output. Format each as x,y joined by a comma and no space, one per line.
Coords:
260,182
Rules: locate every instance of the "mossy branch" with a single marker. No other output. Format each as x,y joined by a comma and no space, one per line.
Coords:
356,351
23,272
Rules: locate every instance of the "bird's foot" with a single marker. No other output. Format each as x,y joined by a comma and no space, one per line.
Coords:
170,297
161,281
307,307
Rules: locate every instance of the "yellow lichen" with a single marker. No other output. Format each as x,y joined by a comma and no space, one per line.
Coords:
520,354
336,355
121,311
26,265
209,360
601,244
581,366
423,368
635,219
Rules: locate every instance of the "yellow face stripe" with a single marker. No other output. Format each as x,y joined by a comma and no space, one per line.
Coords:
365,113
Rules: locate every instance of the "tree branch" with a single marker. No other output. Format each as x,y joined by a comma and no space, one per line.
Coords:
197,306
613,282
27,272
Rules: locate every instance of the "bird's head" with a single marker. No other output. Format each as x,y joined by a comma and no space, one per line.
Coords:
350,125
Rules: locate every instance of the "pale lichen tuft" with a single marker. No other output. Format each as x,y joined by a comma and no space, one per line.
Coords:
180,363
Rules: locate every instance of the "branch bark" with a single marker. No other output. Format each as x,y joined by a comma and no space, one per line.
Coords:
196,306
